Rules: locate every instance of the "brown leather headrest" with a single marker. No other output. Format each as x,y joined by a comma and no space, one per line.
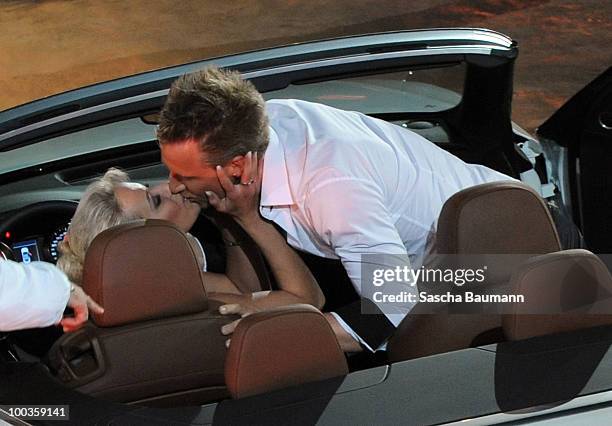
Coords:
143,270
564,291
496,218
279,348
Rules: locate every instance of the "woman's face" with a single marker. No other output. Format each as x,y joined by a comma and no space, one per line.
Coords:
157,203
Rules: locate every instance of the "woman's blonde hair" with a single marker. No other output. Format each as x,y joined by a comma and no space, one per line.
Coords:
98,210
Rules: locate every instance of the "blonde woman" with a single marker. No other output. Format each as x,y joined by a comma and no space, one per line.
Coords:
112,200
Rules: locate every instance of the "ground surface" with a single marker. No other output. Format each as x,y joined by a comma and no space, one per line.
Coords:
48,46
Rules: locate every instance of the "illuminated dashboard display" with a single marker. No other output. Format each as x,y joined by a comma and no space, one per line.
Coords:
26,251
57,237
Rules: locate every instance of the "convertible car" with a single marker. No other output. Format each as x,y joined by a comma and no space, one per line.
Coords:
167,365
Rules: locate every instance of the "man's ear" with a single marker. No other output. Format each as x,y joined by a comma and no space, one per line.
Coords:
236,166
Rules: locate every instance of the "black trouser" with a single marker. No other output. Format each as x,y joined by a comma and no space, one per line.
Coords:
569,234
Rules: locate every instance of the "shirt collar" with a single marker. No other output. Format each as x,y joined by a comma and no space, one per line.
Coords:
275,190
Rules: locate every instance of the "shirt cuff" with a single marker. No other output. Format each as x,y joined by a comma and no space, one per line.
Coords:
350,331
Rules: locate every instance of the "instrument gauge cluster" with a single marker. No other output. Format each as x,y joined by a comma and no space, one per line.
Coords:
56,238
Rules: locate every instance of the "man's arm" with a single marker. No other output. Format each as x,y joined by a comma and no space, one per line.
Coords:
36,294
33,295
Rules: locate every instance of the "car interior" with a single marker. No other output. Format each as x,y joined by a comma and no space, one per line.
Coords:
158,343
140,352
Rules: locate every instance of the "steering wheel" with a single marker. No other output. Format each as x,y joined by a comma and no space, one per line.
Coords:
67,207
6,253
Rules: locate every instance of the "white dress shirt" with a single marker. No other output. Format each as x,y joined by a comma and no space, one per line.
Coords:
32,295
342,184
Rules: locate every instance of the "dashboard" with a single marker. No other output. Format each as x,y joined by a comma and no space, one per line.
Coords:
34,232
39,247
29,233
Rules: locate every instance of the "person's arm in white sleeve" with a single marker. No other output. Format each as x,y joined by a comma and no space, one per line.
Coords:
36,294
351,217
32,295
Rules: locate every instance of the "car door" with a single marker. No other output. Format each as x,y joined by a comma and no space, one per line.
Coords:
579,138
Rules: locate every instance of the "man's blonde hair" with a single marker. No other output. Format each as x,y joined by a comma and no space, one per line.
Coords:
98,210
219,109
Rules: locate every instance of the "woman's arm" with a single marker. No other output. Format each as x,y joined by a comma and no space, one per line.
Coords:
240,275
239,268
291,274
297,285
239,305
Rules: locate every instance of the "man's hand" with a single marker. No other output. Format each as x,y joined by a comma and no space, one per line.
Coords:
80,303
234,309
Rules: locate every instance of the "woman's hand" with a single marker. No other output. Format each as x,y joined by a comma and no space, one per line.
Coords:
235,309
295,281
241,200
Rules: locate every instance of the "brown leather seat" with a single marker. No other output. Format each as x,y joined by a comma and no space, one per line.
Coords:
280,348
564,291
492,218
158,340
497,218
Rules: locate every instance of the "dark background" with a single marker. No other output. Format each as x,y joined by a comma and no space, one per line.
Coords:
48,46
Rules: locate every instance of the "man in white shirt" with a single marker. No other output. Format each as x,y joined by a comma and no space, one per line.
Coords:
36,294
340,184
